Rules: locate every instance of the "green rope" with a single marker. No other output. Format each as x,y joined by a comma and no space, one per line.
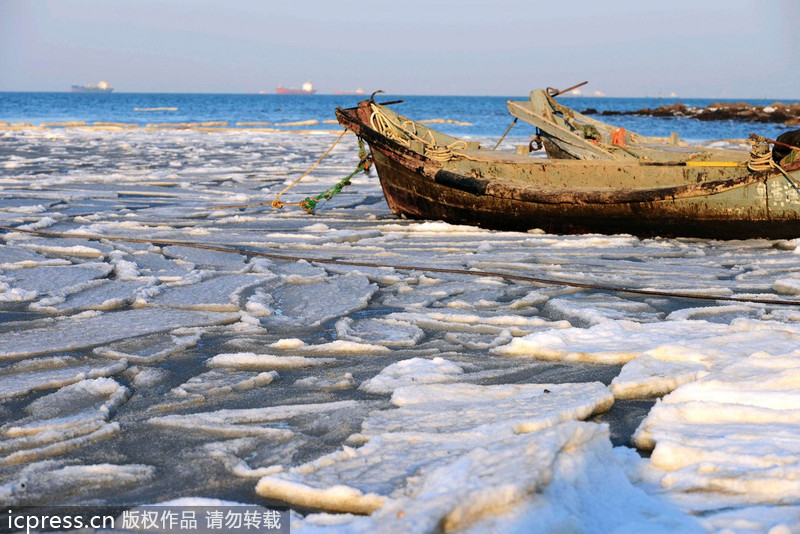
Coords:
310,203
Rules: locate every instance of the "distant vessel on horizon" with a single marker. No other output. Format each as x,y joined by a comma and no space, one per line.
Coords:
100,87
307,89
358,91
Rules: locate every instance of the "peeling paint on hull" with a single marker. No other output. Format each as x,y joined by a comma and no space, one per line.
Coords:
498,191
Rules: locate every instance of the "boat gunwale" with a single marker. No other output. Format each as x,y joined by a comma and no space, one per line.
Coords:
439,174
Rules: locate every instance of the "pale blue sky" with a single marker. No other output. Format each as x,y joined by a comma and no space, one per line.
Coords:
699,48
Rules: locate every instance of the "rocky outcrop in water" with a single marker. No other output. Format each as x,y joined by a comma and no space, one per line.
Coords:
777,112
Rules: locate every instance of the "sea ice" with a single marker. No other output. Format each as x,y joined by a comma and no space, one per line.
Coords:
413,371
45,373
249,360
361,480
87,331
217,293
69,418
730,436
62,279
50,480
311,304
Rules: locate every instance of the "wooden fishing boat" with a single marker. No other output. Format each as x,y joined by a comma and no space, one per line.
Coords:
567,134
426,174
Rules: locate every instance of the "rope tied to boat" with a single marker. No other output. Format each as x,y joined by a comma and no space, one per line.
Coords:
309,203
761,159
364,164
406,132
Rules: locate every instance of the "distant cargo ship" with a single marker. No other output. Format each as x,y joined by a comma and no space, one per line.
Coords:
307,89
100,87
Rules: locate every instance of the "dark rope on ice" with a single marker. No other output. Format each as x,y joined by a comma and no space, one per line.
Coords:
442,270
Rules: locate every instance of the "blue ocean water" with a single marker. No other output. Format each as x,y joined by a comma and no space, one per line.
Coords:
487,115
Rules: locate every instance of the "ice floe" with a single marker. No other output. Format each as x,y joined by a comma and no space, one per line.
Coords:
249,360
413,371
67,419
731,434
360,480
77,332
409,394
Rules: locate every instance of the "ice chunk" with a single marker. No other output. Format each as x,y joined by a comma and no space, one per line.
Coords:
64,279
14,257
49,480
78,332
344,347
100,295
252,457
44,373
754,520
311,304
218,293
150,348
210,259
621,341
422,435
59,422
413,371
474,323
731,436
345,381
650,376
219,382
699,348
594,309
147,377
264,422
156,265
79,250
387,332
787,286
249,360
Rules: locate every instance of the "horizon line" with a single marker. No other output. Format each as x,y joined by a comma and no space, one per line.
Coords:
366,95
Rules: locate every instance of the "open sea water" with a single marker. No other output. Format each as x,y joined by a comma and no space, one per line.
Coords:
487,115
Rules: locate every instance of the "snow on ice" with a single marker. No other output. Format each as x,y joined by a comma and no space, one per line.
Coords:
137,372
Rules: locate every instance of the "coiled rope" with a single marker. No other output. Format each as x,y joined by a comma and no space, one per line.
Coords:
421,268
406,131
761,159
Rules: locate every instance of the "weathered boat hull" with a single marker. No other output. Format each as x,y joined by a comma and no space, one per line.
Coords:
708,202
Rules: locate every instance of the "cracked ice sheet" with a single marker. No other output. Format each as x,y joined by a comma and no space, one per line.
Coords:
699,348
48,480
411,372
218,293
102,295
311,304
268,423
361,480
730,438
45,373
85,331
69,418
42,280
249,360
620,341
565,478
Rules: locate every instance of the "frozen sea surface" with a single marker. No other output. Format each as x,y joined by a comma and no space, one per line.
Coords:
375,398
